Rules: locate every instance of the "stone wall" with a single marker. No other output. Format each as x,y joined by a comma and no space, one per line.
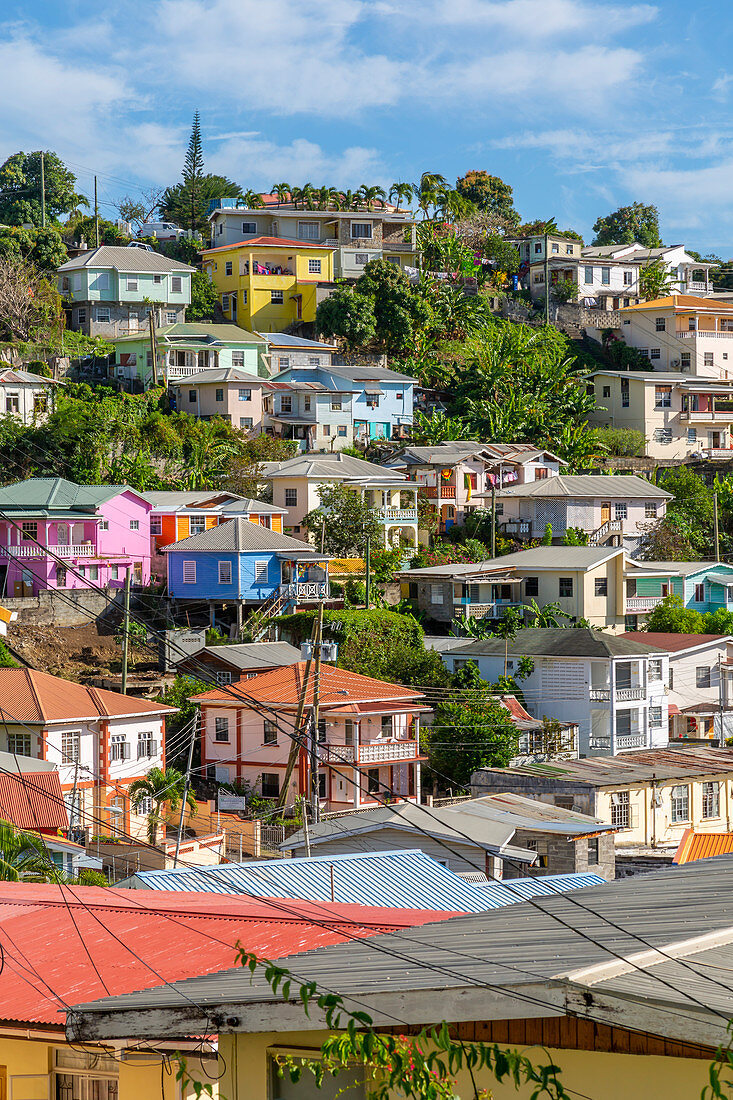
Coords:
560,856
76,607
345,358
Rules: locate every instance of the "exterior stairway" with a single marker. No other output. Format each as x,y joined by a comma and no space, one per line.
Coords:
602,534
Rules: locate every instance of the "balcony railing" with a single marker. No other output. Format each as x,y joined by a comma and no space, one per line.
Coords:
642,603
447,492
306,590
623,695
64,550
694,284
701,416
717,452
373,753
630,741
692,333
402,514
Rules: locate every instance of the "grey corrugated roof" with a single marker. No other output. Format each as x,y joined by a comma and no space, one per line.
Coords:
442,644
537,558
239,534
637,568
219,374
620,771
124,259
544,940
370,373
557,642
184,333
287,340
338,466
625,487
252,655
194,498
25,378
446,453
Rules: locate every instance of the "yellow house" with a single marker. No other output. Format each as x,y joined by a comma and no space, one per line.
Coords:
631,1003
268,283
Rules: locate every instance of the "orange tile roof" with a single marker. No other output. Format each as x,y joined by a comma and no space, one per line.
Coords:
702,846
338,688
30,696
267,242
681,303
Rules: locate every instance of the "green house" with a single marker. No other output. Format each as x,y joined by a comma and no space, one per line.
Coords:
184,350
702,586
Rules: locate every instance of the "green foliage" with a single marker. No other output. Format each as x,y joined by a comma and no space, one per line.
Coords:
505,256
655,281
565,290
575,536
672,617
399,310
244,469
637,222
718,622
203,298
23,857
347,315
355,592
179,695
547,537
21,193
163,788
346,520
437,427
489,193
43,248
466,734
6,658
177,202
690,514
385,563
90,878
83,226
621,441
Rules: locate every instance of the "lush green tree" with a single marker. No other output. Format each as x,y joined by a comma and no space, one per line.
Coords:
655,281
549,615
399,310
176,202
467,734
347,315
193,170
162,788
23,857
664,541
42,248
565,290
346,521
437,427
637,222
83,226
179,695
21,193
504,256
672,617
718,622
489,193
204,298
30,306
400,191
621,441
691,509
6,658
244,469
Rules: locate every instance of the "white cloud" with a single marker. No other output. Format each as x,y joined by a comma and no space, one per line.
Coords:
534,18
257,162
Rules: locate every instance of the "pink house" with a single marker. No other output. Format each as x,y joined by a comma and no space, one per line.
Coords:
228,392
55,534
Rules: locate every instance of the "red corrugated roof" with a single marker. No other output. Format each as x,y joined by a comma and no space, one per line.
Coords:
672,642
515,708
33,801
338,687
178,935
30,696
702,846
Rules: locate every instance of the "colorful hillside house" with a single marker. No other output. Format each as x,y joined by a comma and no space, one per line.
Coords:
184,350
701,585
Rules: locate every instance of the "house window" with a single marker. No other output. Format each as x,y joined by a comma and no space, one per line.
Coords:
221,729
29,532
87,1075
314,267
711,800
307,403
70,747
628,278
12,403
147,746
61,576
228,267
189,572
225,572
341,430
119,748
223,676
601,586
681,803
176,284
606,275
170,317
156,525
314,361
237,358
270,737
660,324
144,805
566,586
532,587
655,669
655,353
361,259
336,405
373,781
702,676
361,229
387,725
245,395
309,231
291,498
620,809
662,397
271,784
655,717
134,524
692,435
644,352
81,316
650,509
606,391
260,572
220,395
662,435
132,282
685,360
196,525
436,593
555,247
593,852
192,396
249,227
246,422
624,393
621,510
283,362
19,744
157,280
537,247
588,278
103,315
708,359
276,297
569,249
286,404
700,593
348,732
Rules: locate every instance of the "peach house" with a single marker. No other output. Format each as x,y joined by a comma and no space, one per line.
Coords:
368,736
228,392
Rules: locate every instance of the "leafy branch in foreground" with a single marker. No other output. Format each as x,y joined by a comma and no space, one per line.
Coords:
423,1066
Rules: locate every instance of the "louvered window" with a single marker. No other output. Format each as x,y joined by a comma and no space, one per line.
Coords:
189,572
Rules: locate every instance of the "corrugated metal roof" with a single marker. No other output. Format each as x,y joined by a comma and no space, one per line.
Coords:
404,879
176,935
33,800
55,494
296,343
537,558
675,643
27,695
252,655
26,378
194,499
338,466
697,845
620,771
583,486
219,374
240,534
676,568
558,642
338,687
124,259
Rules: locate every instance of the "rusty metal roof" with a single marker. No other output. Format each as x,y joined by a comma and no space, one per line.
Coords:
615,771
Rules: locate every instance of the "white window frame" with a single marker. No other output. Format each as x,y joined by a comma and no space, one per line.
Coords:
176,284
147,746
277,297
356,236
221,726
309,231
679,803
131,282
710,800
70,746
314,267
261,572
103,315
188,572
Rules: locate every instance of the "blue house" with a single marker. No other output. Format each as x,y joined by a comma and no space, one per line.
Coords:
241,562
330,406
701,585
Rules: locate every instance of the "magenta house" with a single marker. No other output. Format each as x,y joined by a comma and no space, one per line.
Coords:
55,534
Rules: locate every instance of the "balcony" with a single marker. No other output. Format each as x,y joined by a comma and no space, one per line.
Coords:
398,515
82,550
623,695
636,604
631,741
717,452
375,752
694,285
697,416
516,527
692,333
447,492
398,246
306,590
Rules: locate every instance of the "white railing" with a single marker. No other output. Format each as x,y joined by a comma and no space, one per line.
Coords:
83,550
631,741
606,529
374,752
710,414
642,603
600,695
694,285
717,452
479,610
701,332
402,514
184,372
330,242
306,590
625,695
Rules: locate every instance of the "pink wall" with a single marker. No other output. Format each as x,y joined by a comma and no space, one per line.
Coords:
121,540
231,406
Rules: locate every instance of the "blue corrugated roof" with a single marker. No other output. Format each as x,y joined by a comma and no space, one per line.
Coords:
401,879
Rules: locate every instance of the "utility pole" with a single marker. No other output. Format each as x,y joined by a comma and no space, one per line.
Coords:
96,216
154,339
186,786
43,192
152,348
547,281
306,834
296,743
493,521
315,785
126,631
367,564
716,530
721,702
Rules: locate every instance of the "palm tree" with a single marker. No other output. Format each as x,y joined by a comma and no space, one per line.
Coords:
296,196
253,199
282,190
400,191
427,191
326,197
206,454
23,857
308,195
349,200
370,195
162,787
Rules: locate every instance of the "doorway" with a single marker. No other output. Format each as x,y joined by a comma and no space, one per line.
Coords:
605,511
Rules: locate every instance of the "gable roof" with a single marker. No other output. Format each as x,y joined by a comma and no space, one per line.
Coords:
681,303
187,333
337,466
558,641
368,373
195,498
339,688
623,486
536,558
294,343
250,656
678,568
407,879
447,453
619,771
14,377
53,495
124,259
676,643
211,375
177,935
27,695
240,534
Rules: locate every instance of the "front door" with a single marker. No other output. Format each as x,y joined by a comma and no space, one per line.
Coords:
715,440
605,511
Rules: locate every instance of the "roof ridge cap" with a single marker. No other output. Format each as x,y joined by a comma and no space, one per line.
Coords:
29,675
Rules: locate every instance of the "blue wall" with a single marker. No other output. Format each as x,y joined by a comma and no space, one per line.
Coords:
207,586
391,411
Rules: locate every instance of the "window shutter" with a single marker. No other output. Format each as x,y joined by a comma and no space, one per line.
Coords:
189,572
260,571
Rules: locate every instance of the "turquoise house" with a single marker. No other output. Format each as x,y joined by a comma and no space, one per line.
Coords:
186,349
701,585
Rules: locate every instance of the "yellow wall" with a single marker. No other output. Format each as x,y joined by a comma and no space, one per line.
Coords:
652,824
593,1074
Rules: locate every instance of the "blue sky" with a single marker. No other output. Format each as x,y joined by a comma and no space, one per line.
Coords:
581,105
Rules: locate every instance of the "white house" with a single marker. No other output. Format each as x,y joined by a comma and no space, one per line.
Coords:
682,332
25,395
689,276
613,688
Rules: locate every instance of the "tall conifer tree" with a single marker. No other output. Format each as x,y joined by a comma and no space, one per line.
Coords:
193,168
